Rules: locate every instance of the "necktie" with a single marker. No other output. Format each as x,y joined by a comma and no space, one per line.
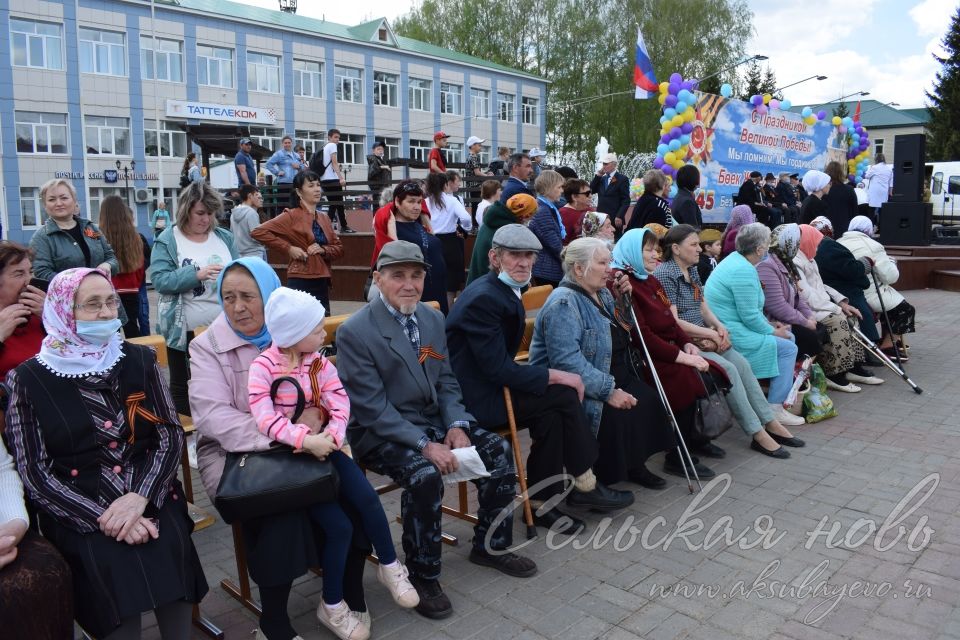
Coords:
413,335
606,180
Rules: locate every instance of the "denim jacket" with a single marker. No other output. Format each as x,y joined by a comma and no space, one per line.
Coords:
571,334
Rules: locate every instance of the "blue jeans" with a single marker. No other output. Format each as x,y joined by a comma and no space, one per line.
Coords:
355,489
144,315
780,385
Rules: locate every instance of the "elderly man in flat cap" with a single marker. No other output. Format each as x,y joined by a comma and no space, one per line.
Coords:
484,330
407,417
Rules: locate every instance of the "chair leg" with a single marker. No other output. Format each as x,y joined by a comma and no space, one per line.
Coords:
521,470
205,625
241,592
187,476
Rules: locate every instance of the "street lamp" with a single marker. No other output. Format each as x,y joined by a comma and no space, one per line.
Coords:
775,91
888,104
758,58
841,98
126,176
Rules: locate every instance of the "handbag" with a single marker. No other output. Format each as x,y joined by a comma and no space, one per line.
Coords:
262,483
713,416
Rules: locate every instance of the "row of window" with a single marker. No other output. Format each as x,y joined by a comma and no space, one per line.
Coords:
32,213
40,45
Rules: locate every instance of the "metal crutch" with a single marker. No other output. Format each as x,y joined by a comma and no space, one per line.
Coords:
884,358
883,309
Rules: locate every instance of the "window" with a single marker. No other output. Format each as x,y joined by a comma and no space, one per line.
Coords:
32,213
936,185
420,94
348,84
382,34
102,52
107,136
268,137
506,103
484,154
351,149
171,139
215,67
420,149
36,44
170,198
392,147
529,110
41,132
451,99
307,79
877,145
312,141
453,152
97,194
480,103
385,89
263,73
165,62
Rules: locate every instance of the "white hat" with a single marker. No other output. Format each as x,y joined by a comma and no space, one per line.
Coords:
610,157
291,315
472,140
537,153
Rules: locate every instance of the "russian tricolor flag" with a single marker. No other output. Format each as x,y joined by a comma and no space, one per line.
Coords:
643,77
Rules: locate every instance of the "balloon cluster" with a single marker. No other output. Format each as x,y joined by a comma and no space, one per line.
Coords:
676,123
764,103
858,141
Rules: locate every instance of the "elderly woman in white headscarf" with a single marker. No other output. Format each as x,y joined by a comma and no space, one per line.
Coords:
883,270
597,225
816,184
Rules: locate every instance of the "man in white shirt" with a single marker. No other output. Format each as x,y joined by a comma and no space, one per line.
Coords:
326,164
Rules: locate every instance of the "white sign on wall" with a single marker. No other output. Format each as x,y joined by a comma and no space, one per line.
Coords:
221,112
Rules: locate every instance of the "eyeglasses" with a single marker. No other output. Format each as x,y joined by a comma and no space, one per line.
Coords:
94,306
585,193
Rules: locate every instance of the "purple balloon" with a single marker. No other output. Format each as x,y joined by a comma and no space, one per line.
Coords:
821,115
670,101
674,88
657,162
686,84
675,132
676,78
667,169
756,100
665,138
686,127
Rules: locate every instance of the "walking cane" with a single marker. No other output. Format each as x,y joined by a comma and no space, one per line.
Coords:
883,308
884,358
628,303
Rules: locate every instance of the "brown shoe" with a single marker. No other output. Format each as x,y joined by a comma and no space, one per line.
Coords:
508,563
434,603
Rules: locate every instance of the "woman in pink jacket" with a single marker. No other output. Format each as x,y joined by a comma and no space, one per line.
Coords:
280,548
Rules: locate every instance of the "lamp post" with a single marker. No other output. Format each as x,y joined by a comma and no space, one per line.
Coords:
126,176
841,98
759,58
888,104
775,91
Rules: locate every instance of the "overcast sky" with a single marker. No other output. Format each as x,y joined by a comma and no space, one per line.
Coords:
880,46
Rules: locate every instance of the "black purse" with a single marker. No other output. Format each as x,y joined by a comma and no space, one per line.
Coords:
262,483
713,416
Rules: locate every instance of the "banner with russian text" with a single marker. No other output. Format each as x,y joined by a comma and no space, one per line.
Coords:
730,139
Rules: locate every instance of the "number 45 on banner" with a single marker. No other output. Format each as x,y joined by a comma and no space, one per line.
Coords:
706,199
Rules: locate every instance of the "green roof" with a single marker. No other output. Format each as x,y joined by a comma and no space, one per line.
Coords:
920,114
363,32
875,114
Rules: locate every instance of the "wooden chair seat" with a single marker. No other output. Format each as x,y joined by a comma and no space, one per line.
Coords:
535,297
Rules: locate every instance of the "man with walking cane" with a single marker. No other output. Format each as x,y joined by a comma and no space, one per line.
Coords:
484,331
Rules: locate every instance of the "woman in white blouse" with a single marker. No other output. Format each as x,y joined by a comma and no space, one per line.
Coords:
449,218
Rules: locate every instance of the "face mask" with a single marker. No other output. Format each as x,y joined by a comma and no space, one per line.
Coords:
98,331
505,278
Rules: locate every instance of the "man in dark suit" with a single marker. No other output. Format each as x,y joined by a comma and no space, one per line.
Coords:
520,169
484,330
407,418
788,196
613,191
751,194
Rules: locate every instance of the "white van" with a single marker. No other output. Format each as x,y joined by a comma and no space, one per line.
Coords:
943,180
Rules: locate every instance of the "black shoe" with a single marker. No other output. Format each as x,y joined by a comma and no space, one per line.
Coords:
710,450
508,563
788,442
860,370
601,499
779,452
646,478
872,361
434,603
568,525
674,468
347,230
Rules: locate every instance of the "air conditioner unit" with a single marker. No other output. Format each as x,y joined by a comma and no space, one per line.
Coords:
143,196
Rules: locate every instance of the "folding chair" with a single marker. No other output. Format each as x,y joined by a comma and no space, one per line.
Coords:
535,297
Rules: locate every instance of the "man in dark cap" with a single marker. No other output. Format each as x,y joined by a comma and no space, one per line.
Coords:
407,420
484,331
751,194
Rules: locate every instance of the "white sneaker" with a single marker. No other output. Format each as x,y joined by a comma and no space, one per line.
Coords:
847,388
395,578
864,379
784,417
342,621
364,617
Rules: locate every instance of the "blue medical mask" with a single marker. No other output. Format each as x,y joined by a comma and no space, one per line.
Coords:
98,331
510,282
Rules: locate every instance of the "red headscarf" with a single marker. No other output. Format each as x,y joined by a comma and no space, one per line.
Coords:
810,238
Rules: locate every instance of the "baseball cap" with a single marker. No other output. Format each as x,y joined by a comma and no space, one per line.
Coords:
245,141
607,159
440,134
472,140
537,153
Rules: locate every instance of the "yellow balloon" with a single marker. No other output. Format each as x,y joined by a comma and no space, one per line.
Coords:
836,121
664,87
661,98
678,164
669,158
689,115
767,98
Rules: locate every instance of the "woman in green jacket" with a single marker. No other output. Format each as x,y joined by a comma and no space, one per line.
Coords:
67,241
184,265
518,209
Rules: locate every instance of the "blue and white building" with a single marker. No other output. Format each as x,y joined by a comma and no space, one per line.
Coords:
85,84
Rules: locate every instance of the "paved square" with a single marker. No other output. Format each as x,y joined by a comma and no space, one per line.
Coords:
847,582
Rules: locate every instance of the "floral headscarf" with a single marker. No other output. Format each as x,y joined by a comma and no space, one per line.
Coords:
823,225
740,216
64,352
784,244
593,221
657,229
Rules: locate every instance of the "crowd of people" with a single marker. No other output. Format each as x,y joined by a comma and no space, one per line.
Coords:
413,387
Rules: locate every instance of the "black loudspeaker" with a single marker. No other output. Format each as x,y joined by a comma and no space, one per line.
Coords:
906,223
909,152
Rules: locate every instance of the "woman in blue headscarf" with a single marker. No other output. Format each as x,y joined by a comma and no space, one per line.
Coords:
282,547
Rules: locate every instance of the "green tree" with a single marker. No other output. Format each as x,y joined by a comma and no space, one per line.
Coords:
943,138
769,84
586,50
754,81
841,110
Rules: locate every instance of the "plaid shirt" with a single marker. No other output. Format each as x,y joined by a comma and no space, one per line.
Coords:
686,296
412,330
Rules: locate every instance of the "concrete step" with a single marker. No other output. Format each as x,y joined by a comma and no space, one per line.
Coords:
945,279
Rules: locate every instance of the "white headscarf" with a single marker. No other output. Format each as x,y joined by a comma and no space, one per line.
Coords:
863,224
64,352
814,180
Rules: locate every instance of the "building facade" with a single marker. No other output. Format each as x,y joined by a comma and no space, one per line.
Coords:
102,92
